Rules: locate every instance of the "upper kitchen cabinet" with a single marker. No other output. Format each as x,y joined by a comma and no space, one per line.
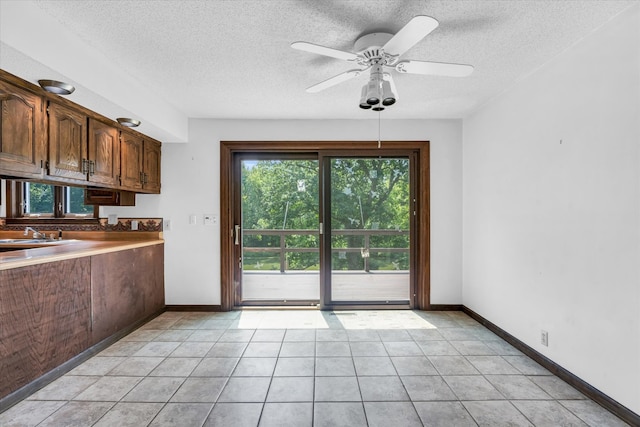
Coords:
23,132
67,144
50,139
151,169
104,154
131,154
140,163
81,149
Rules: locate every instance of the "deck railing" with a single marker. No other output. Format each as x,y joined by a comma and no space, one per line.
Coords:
283,249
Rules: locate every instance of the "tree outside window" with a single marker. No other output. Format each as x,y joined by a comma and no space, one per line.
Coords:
45,200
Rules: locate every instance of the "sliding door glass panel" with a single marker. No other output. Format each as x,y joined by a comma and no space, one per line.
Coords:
280,238
369,229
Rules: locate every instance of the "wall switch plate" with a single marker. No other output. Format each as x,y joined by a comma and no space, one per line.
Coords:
193,219
166,224
134,224
544,338
112,219
210,219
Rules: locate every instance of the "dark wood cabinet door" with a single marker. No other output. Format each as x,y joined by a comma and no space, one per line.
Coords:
22,132
126,287
131,154
150,263
152,159
67,143
44,317
104,154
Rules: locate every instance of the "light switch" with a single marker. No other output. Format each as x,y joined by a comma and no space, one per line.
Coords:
193,219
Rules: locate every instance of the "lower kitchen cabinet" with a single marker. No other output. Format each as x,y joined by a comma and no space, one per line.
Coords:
54,311
126,286
45,318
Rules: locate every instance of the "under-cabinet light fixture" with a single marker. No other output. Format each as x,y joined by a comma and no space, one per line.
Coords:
128,122
54,86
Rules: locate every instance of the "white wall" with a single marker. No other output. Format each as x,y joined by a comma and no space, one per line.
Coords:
191,185
3,199
551,209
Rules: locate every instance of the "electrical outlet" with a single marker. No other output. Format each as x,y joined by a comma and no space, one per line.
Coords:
166,224
209,219
134,224
544,338
112,219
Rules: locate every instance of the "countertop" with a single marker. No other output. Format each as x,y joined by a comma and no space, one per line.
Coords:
70,250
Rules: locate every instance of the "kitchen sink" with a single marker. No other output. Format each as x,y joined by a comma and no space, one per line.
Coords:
34,241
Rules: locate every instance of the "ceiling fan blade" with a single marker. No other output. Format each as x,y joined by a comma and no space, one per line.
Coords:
434,68
410,34
343,77
323,50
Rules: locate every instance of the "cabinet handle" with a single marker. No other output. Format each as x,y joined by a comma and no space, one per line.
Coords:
141,178
85,168
92,167
146,177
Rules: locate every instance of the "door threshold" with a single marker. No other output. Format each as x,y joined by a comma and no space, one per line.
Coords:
276,307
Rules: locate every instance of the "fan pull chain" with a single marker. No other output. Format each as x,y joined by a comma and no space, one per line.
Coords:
379,142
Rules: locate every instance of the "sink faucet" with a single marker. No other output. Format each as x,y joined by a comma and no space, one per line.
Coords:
36,233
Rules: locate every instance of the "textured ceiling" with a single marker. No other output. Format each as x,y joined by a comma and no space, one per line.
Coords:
232,59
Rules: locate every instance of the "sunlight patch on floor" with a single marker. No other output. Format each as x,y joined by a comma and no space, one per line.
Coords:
315,319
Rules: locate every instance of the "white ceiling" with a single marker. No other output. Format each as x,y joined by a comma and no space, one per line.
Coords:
167,61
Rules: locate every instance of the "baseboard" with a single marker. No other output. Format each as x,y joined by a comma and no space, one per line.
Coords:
579,384
445,307
22,393
194,308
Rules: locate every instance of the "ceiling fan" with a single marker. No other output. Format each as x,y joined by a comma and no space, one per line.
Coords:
379,51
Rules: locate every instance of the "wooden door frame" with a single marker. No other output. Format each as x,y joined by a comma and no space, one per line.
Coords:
229,148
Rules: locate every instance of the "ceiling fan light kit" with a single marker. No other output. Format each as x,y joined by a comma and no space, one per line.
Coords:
363,99
378,50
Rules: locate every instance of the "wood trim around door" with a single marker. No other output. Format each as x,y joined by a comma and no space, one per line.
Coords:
229,148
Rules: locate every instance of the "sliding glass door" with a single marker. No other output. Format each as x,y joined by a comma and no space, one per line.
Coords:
368,221
279,237
324,229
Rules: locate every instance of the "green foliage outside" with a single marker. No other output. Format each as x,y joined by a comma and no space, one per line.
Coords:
366,194
76,201
41,199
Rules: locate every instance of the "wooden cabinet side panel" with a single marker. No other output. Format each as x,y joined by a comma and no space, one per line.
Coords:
45,319
67,143
22,132
117,300
104,151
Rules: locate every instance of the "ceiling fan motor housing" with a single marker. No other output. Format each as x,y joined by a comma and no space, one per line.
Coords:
369,48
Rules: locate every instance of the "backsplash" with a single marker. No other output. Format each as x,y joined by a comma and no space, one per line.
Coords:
124,224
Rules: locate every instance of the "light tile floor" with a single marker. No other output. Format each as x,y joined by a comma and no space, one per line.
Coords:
304,368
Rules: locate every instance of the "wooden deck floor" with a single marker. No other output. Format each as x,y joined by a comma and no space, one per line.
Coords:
346,286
